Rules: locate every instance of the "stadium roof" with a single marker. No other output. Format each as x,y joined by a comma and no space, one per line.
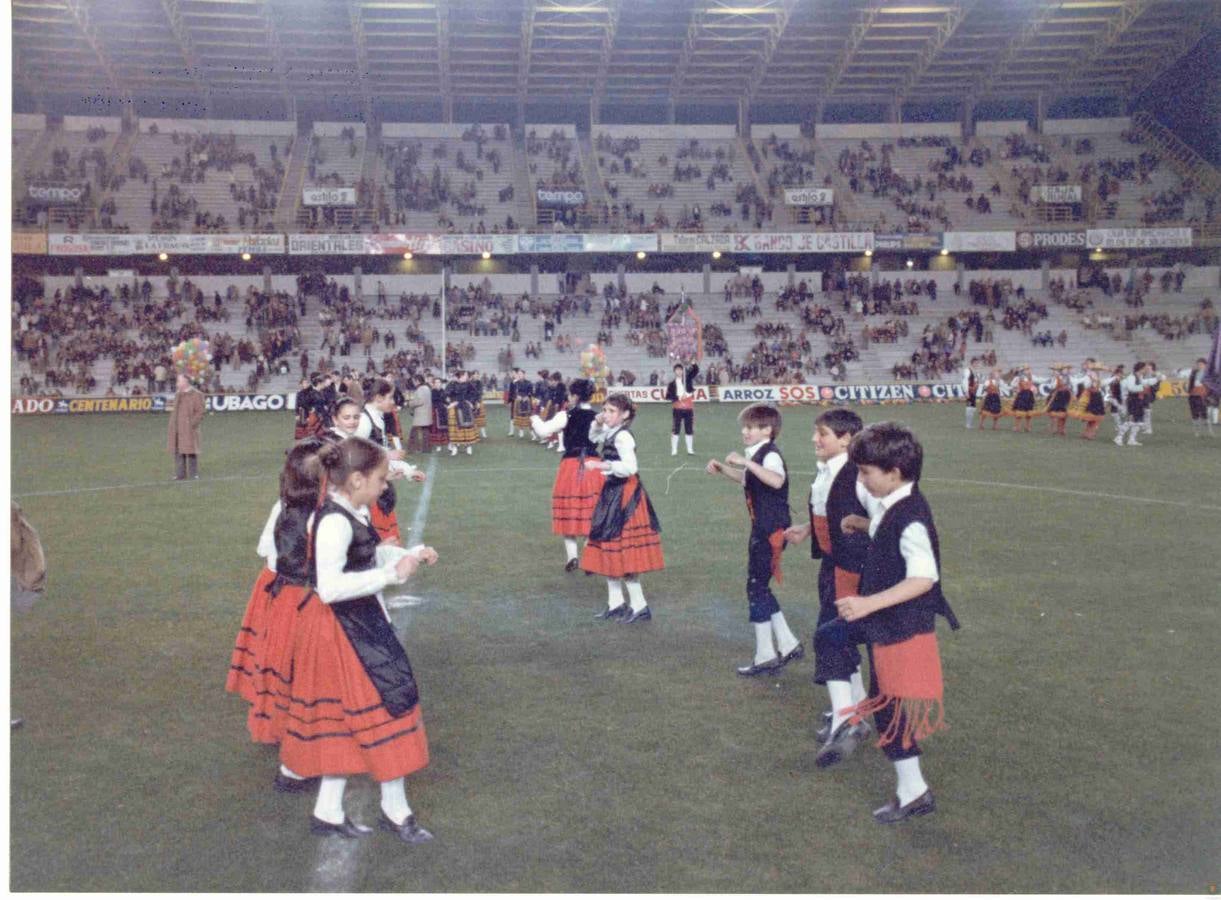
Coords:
617,51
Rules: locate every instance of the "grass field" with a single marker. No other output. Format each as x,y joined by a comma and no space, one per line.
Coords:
574,755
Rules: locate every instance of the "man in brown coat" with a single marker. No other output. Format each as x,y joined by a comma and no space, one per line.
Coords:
185,417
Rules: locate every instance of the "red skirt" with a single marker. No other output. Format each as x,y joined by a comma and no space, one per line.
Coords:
265,719
247,654
574,497
387,525
438,435
636,550
335,722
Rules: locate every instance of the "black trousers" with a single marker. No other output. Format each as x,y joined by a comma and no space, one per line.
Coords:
682,418
763,603
835,656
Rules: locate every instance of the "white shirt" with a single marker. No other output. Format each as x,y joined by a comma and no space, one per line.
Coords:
966,378
555,424
914,543
820,489
333,539
625,466
1134,385
364,427
267,540
772,462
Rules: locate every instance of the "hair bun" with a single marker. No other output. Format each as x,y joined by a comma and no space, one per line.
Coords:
331,456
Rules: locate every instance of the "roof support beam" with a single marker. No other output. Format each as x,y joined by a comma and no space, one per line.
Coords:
1129,12
608,48
954,17
447,94
784,11
277,53
362,58
173,12
528,16
855,38
1153,68
1043,11
694,25
79,10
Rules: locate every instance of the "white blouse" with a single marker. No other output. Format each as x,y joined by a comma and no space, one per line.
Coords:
334,538
914,543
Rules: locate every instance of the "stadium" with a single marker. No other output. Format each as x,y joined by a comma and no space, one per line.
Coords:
962,216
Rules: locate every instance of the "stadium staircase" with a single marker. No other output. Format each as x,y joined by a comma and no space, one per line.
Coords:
596,190
289,200
1182,158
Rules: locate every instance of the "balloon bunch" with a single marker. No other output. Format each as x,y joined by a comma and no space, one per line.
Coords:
193,358
593,363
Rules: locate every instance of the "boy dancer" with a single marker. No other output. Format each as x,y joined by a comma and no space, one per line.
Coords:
900,598
970,386
762,473
681,394
835,495
1197,397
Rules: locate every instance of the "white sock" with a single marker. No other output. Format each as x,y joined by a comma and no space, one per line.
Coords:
329,805
289,773
1212,415
674,445
570,547
394,801
483,432
690,439
911,782
841,698
785,639
636,593
858,686
970,415
614,593
470,451
764,649
521,432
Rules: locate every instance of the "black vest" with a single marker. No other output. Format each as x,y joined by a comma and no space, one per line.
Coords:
376,435
884,567
769,506
847,550
292,545
576,433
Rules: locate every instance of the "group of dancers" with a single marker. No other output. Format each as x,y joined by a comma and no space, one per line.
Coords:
1090,394
316,657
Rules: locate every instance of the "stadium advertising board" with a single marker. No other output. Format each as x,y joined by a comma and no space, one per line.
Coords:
888,241
326,244
41,406
980,241
922,241
809,196
927,392
142,244
316,196
440,244
559,198
768,242
29,242
1051,240
55,194
656,394
1120,238
467,244
249,402
586,243
1057,193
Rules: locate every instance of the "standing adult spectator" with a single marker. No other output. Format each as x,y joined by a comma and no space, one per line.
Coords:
27,569
185,417
421,415
159,374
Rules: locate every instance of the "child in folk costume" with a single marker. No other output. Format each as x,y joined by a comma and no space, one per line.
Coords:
1057,403
681,394
1090,406
624,534
899,598
763,476
372,426
836,494
577,488
260,668
1197,398
481,413
520,407
970,387
540,399
1023,399
354,707
991,407
557,399
1151,391
1134,393
438,432
461,398
1114,398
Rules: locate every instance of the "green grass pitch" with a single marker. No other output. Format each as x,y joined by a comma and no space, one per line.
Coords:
574,755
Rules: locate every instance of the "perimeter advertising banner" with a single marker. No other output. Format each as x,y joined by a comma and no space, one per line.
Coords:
145,244
926,392
1051,240
768,242
980,241
1057,193
155,403
1138,238
657,394
809,196
332,196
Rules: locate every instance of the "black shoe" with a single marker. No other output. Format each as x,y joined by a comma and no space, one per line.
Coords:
571,565
643,616
762,668
823,734
286,785
410,832
842,744
892,813
617,613
796,653
16,723
348,829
